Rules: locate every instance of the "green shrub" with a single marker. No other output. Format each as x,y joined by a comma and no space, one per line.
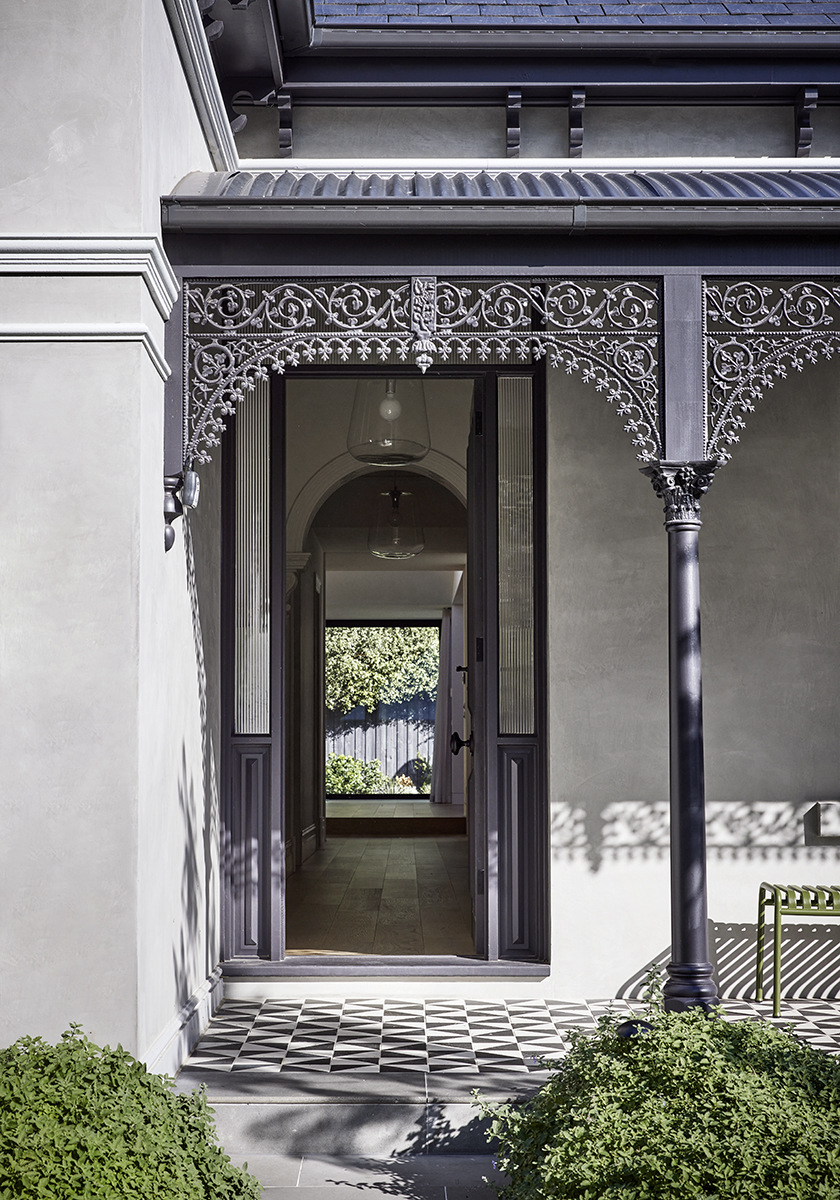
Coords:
695,1109
81,1123
419,770
348,776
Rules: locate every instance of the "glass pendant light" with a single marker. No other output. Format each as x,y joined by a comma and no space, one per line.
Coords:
389,426
395,532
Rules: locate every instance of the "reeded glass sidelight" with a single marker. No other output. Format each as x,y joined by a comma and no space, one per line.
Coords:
395,531
389,426
252,559
516,557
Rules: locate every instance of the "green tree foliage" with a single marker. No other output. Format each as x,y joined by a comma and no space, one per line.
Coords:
369,666
694,1108
79,1121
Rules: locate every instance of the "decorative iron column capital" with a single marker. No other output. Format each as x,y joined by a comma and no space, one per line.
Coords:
682,485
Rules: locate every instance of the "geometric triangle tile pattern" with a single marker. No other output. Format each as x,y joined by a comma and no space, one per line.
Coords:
463,1037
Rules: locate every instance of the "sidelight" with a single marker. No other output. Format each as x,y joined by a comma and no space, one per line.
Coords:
252,616
516,556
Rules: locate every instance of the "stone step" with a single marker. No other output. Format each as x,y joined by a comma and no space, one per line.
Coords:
354,1114
416,1177
345,1127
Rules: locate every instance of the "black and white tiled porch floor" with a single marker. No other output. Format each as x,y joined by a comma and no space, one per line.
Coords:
463,1037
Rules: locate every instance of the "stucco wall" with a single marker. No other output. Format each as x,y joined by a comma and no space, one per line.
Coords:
110,125
104,757
629,131
771,645
70,640
703,131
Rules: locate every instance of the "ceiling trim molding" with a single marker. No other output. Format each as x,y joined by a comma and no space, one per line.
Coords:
94,254
197,62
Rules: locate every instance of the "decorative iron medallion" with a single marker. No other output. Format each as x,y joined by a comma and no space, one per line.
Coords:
236,332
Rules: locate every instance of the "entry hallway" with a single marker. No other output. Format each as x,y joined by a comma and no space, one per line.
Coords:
381,895
334,1099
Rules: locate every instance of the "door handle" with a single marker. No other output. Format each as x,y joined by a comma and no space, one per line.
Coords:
456,742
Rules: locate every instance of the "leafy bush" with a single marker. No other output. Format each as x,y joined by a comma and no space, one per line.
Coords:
695,1108
348,776
79,1121
419,771
370,665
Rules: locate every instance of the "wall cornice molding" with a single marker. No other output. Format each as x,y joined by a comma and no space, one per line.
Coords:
66,331
93,254
200,73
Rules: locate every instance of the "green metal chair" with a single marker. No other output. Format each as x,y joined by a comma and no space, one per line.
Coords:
788,901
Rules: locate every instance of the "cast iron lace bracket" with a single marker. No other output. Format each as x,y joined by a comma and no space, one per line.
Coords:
756,333
607,331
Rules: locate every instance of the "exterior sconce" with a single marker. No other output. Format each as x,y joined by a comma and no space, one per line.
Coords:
395,532
189,485
389,426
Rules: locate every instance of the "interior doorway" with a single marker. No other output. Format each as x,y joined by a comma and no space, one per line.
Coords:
391,875
298,526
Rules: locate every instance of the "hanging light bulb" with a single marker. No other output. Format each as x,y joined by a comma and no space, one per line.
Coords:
395,532
389,426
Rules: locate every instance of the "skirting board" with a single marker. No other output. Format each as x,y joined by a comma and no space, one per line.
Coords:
173,1046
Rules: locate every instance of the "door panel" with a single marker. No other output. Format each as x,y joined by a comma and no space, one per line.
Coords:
252,701
507,798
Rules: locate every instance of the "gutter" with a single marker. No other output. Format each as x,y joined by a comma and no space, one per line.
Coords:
634,39
191,216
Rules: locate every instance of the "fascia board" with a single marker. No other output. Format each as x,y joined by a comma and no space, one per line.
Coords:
200,74
449,39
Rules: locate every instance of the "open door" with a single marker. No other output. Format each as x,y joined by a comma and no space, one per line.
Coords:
505,659
505,669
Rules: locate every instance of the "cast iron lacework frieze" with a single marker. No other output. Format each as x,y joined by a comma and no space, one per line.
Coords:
236,332
756,333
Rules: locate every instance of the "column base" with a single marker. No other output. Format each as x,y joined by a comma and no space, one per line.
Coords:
689,985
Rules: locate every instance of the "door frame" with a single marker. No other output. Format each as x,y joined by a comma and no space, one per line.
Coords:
266,953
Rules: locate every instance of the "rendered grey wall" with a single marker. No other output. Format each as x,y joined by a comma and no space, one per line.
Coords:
770,581
610,131
103,753
68,706
705,132
349,132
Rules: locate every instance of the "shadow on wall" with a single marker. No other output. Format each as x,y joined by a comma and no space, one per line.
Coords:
197,933
622,830
810,962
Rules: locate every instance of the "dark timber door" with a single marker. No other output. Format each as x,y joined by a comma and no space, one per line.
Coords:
506,667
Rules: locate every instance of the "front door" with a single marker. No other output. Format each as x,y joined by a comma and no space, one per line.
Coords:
504,660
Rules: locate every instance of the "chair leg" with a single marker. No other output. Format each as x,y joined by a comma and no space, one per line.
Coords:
759,950
777,957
